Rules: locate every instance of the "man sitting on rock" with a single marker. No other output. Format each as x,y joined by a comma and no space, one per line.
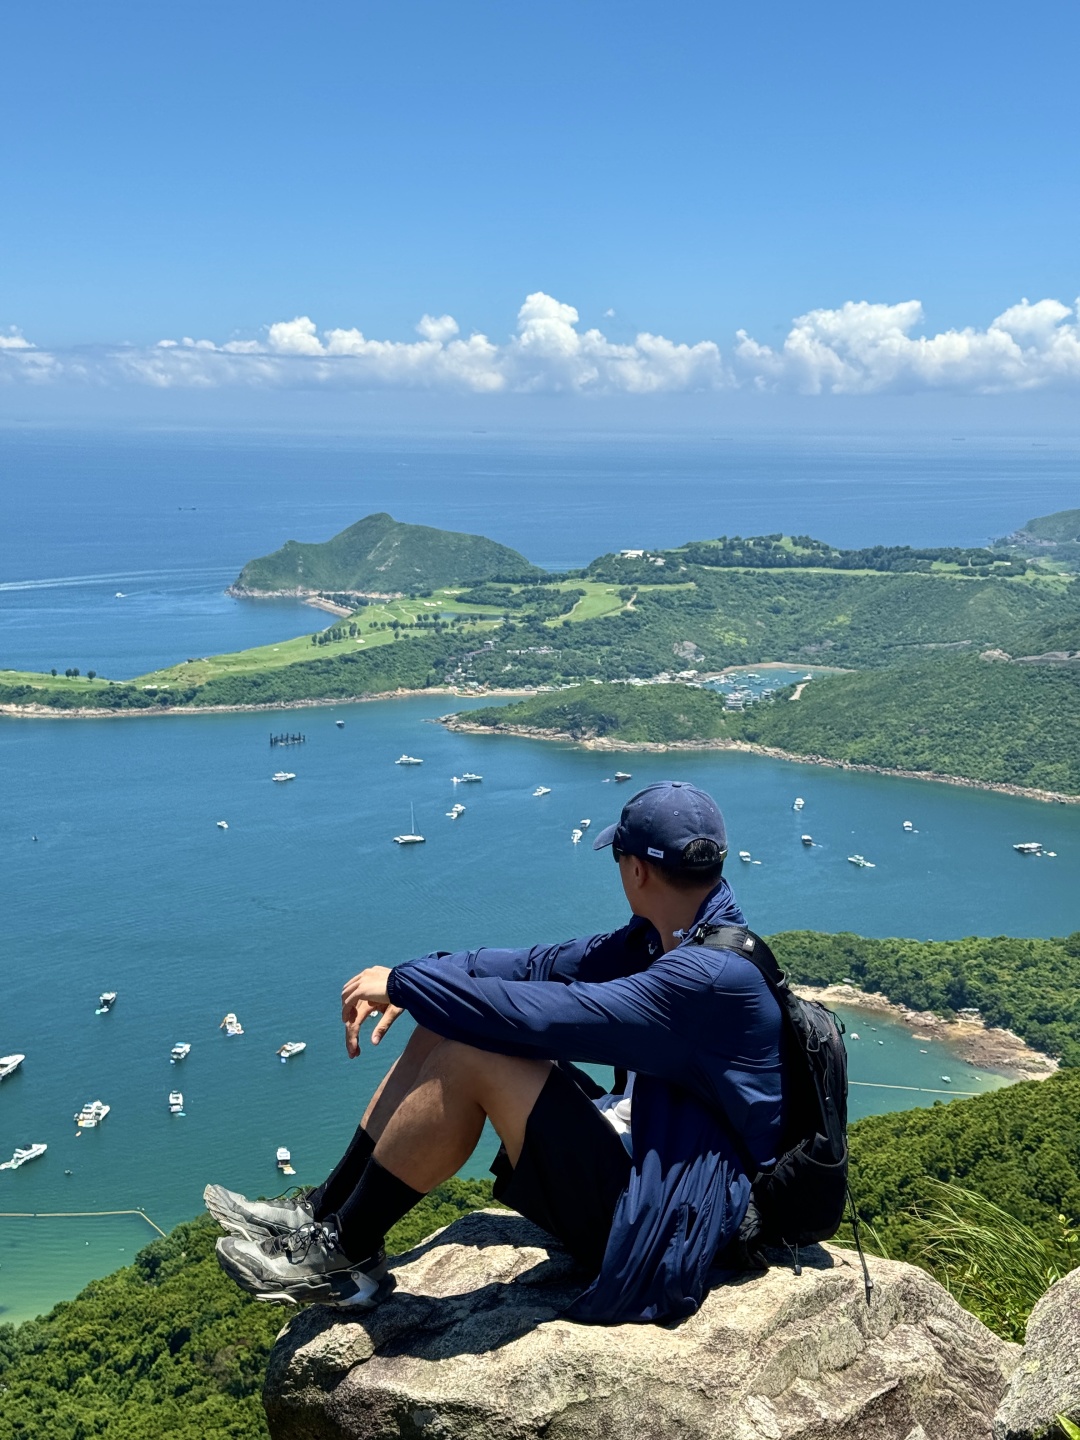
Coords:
645,1187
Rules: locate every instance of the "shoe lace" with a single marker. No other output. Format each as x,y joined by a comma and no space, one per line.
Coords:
296,1244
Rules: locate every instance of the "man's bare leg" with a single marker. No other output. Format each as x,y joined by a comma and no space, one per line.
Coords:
399,1080
435,1126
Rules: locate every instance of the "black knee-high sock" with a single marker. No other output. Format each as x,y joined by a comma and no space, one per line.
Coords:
344,1177
379,1201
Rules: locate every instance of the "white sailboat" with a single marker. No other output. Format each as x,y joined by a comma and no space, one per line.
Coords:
411,838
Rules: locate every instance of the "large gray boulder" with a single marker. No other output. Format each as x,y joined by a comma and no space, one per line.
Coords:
1046,1383
472,1346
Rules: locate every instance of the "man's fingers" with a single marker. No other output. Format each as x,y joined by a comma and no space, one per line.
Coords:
389,1015
352,1027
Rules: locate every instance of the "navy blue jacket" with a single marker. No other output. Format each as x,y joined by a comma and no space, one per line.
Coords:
701,1030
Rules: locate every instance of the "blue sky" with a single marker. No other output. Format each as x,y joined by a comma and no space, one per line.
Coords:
688,171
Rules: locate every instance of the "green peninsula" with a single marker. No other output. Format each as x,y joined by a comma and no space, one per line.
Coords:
379,555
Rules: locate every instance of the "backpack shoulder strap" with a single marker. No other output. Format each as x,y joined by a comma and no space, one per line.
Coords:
745,943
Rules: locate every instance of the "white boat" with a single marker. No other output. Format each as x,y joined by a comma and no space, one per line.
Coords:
231,1025
805,678
179,1052
467,778
854,1035
92,1114
745,856
411,838
120,595
283,775
222,824
340,724
106,1002
575,836
861,861
542,790
947,1079
291,1048
621,775
9,1064
584,824
22,1154
284,1161
807,839
799,803
1029,847
908,826
408,760
176,1102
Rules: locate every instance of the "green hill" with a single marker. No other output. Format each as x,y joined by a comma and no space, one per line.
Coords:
1061,528
380,555
1006,724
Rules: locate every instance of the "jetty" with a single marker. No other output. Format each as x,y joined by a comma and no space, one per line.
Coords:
287,739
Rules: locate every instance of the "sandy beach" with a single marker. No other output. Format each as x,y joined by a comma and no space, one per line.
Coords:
978,1044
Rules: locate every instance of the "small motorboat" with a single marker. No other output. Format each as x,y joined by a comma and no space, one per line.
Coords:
179,1052
9,1064
584,824
575,836
621,775
340,724
408,760
1029,847
22,1154
854,1035
807,839
92,1114
231,1025
282,776
291,1048
861,861
284,1161
745,856
947,1079
176,1103
908,826
542,790
455,811
799,803
106,1002
222,824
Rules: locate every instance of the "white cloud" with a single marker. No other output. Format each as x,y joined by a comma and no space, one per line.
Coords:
858,348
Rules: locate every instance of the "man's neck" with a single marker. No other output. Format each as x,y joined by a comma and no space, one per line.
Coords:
675,910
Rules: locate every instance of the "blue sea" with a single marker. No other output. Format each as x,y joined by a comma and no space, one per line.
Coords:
131,886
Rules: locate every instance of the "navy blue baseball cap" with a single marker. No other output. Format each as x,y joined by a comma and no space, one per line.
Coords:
659,822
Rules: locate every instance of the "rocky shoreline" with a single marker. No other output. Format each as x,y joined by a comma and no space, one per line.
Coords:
605,742
980,1045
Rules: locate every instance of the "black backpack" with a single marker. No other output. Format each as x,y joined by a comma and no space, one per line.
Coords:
801,1199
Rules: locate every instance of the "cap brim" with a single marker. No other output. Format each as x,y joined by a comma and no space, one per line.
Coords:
605,837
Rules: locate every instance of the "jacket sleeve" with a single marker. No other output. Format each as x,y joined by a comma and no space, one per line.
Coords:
636,1022
592,957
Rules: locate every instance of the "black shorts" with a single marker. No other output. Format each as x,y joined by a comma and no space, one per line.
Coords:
572,1169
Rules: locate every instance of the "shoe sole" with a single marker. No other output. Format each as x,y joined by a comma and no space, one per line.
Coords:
337,1289
229,1220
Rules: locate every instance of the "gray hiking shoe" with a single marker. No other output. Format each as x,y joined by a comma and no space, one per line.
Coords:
255,1219
305,1267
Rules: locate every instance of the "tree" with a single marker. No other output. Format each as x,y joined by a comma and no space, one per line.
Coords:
91,674
53,671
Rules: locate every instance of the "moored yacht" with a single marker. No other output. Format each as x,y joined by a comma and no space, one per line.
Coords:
622,775
1029,847
340,724
861,861
412,837
467,778
542,790
908,826
455,810
284,1160
408,760
22,1154
575,836
9,1064
179,1052
799,803
745,856
222,824
807,840
176,1103
231,1025
584,824
106,1002
291,1048
92,1114
283,775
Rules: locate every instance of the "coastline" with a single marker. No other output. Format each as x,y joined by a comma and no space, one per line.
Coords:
977,1044
771,752
48,712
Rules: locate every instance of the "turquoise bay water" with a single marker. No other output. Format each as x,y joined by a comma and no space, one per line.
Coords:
131,887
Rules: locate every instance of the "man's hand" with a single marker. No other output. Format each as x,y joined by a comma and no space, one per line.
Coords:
364,995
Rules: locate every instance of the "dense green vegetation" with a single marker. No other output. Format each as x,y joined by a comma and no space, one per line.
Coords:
381,555
165,1347
1029,986
1062,526
1016,724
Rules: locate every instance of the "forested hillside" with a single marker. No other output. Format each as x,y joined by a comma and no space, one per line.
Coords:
381,555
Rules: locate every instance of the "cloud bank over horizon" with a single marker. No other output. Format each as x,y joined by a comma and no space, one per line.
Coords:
860,348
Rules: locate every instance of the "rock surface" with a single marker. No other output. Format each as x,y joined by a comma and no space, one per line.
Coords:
471,1346
1046,1383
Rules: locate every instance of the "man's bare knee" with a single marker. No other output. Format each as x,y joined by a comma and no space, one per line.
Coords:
505,1087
